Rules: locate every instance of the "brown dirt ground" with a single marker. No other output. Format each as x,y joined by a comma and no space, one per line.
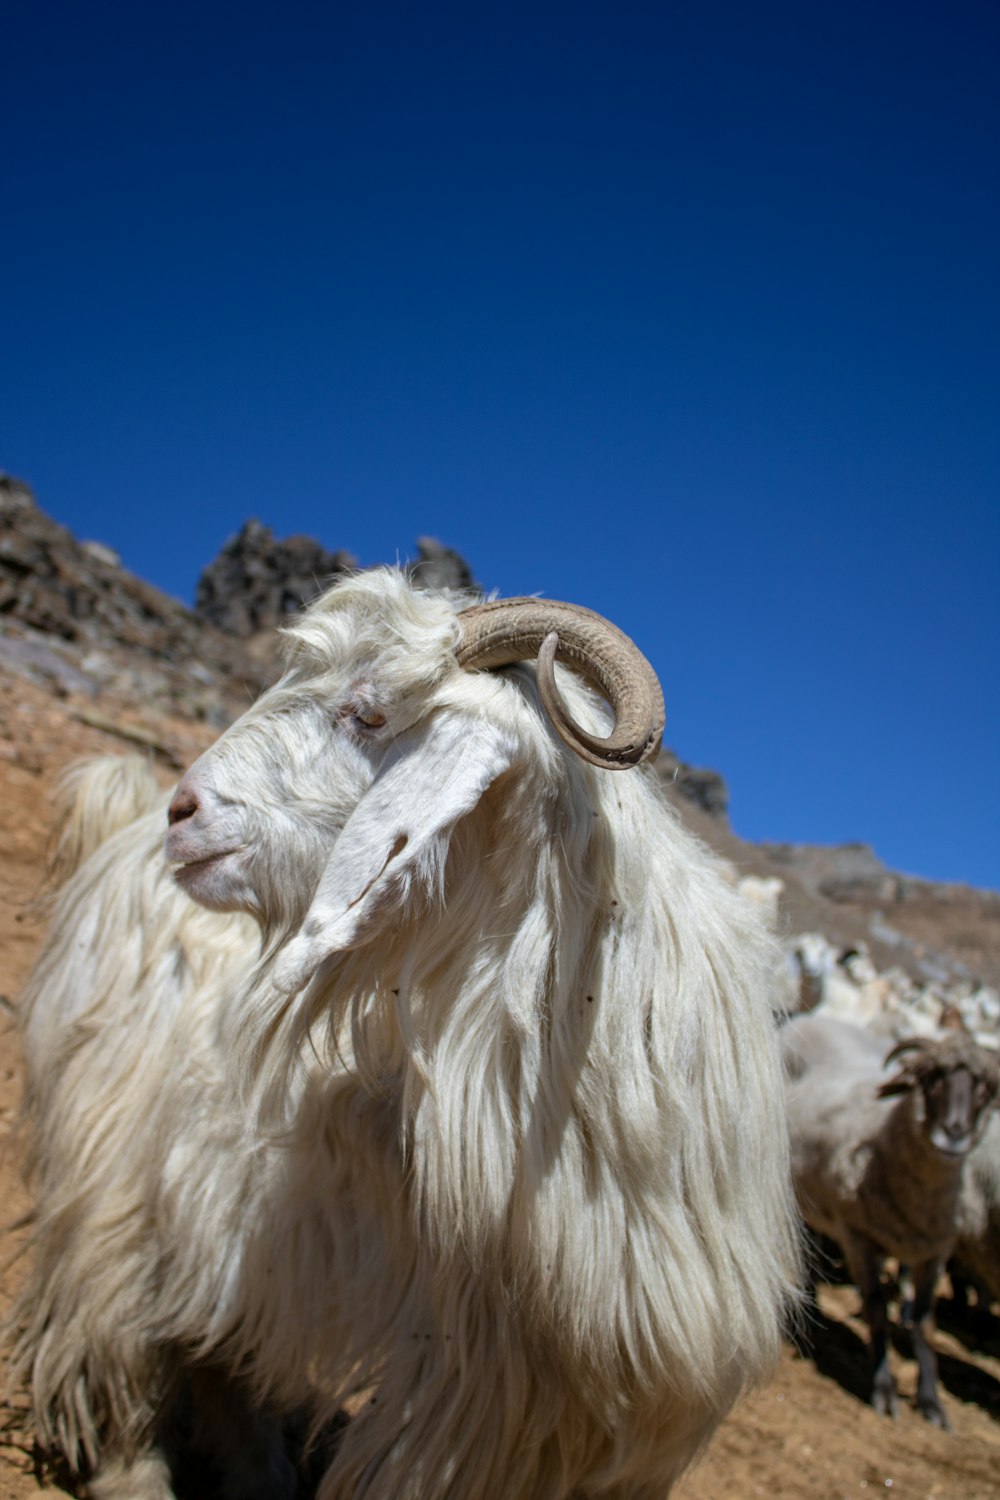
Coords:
809,1434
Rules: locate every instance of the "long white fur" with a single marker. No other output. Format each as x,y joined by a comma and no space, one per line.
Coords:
94,799
493,1127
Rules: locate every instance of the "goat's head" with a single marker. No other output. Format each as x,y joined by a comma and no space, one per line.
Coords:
954,1084
386,729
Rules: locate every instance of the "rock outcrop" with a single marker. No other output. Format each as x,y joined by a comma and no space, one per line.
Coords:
71,617
257,581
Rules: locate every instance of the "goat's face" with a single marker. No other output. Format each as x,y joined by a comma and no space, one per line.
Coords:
954,1085
253,821
956,1104
333,800
284,778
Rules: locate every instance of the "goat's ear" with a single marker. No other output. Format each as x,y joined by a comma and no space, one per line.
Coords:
906,1079
903,1082
397,838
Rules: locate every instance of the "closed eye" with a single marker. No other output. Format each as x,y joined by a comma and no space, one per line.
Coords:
368,717
360,708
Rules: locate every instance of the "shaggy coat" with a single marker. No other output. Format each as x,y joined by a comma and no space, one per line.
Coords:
488,1125
878,1156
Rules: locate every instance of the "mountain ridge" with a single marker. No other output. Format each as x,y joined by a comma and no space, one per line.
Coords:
93,657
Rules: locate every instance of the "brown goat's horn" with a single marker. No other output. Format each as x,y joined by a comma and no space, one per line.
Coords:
908,1044
511,630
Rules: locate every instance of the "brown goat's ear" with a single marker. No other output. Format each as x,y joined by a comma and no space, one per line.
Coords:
901,1084
906,1078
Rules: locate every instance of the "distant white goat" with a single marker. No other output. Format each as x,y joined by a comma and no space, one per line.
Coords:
814,959
766,892
843,984
978,1248
878,1156
492,1130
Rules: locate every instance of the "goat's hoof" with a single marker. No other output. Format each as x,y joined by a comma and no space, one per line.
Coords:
934,1413
884,1402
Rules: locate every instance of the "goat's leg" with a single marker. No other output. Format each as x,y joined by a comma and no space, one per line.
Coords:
138,1466
883,1393
865,1265
925,1278
105,1415
147,1477
214,1438
244,1443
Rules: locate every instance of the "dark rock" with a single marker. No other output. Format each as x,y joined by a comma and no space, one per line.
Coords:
440,567
257,581
829,868
70,614
884,888
705,789
15,495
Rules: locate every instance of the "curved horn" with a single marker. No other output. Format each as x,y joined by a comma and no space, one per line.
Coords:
908,1044
505,631
909,1074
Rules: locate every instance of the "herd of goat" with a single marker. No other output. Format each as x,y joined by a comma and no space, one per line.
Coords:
890,1088
456,1098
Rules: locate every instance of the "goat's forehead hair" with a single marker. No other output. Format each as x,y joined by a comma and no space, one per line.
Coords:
948,1055
376,614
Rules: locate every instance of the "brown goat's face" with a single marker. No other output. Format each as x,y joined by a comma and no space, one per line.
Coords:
956,1104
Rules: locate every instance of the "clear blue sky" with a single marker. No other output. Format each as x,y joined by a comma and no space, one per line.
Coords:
685,312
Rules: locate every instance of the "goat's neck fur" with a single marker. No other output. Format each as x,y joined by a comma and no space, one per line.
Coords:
910,1190
557,1119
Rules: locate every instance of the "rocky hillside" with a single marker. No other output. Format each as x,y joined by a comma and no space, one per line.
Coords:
258,580
84,641
75,621
92,659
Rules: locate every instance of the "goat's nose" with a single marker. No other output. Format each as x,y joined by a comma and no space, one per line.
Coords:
184,804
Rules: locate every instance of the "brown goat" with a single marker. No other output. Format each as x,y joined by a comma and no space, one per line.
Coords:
878,1164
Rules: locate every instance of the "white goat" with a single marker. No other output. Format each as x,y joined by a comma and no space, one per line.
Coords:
492,1129
978,1248
844,985
766,892
878,1156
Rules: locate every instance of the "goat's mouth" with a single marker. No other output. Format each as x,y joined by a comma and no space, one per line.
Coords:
185,869
216,880
950,1147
